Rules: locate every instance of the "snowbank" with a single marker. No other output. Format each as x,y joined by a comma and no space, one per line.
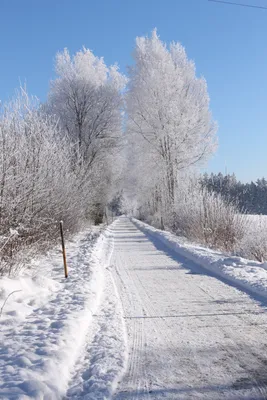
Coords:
103,360
46,320
244,274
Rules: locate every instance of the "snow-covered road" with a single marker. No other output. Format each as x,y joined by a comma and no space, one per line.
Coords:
190,336
134,320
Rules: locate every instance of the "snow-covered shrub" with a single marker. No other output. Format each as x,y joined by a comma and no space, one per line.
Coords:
208,219
254,242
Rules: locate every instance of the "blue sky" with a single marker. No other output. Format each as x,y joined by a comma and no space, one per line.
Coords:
227,43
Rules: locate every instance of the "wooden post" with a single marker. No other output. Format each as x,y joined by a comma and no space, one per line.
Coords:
63,249
161,224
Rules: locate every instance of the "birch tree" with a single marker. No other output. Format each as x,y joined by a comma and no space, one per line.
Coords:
170,126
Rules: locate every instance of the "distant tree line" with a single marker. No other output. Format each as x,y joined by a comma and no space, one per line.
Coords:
250,197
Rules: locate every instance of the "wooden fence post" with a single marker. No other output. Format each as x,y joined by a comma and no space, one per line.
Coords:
161,224
63,249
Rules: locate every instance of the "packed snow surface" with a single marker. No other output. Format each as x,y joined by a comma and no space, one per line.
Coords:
190,334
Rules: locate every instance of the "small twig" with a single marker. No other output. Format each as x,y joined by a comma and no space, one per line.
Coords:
15,291
13,233
6,242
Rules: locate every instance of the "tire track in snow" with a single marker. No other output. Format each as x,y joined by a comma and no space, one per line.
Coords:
162,327
136,370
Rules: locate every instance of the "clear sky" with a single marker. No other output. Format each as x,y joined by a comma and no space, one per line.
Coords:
227,43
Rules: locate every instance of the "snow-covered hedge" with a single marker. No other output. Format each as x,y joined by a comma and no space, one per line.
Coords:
208,218
254,243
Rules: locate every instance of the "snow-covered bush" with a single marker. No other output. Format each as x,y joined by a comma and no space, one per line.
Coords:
254,242
208,219
36,180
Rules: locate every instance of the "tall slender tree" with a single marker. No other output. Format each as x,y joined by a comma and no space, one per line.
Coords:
170,126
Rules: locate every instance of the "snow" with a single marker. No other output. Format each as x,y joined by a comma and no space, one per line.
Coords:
104,356
245,274
50,323
190,334
142,315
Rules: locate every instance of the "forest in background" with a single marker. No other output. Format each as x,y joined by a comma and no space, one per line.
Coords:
250,197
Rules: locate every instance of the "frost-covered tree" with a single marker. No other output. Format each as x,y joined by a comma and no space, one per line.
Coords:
39,186
170,126
87,98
